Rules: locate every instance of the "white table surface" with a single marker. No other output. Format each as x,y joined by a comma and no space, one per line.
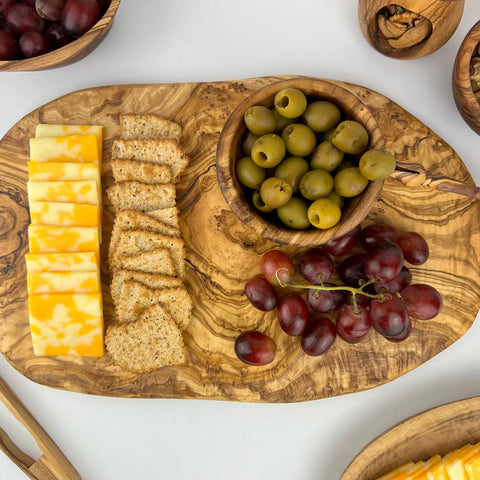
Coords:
159,41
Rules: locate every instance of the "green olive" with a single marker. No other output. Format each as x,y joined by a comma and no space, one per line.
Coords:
377,164
248,141
350,182
292,169
316,184
329,133
299,139
249,173
326,156
275,192
324,213
260,120
350,137
259,204
282,121
290,102
322,115
333,195
294,214
268,150
347,162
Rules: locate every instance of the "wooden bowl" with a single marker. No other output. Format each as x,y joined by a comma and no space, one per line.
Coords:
69,53
465,100
440,20
229,150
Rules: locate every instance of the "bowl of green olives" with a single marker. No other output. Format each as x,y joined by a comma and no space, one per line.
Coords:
302,161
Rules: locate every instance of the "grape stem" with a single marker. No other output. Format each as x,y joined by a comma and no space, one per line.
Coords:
353,290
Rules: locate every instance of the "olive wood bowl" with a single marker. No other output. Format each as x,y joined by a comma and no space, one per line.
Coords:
229,150
441,20
465,100
69,53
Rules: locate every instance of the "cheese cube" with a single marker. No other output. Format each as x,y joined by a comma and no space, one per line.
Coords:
67,324
62,262
53,130
42,171
472,467
66,191
52,239
63,282
69,148
451,464
64,214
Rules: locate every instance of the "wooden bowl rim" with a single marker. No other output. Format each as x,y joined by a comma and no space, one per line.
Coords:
233,192
69,53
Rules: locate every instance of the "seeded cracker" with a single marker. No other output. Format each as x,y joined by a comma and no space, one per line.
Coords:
148,126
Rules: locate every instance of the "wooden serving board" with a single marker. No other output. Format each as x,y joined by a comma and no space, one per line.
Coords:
222,254
436,431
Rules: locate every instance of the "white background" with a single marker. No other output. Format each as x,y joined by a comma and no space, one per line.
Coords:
159,41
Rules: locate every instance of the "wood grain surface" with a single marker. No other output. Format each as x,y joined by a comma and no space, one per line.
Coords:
436,431
222,254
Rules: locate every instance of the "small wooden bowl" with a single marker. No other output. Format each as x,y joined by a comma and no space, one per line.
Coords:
465,100
229,150
69,53
443,17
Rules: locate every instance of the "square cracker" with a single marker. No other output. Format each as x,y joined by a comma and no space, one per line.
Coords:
156,261
148,125
125,170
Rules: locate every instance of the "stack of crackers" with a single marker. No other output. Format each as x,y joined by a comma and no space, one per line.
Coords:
146,252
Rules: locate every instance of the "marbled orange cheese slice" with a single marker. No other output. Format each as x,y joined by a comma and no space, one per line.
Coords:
42,171
63,282
62,262
52,239
65,214
67,324
68,148
66,191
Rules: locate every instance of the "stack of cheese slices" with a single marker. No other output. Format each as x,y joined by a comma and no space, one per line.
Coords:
63,274
146,251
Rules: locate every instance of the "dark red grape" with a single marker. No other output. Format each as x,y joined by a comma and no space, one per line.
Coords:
8,46
56,35
353,325
352,270
4,4
383,261
319,336
376,233
29,2
316,266
50,9
342,245
255,348
362,300
262,294
21,18
402,336
276,260
79,16
293,314
33,44
423,301
326,301
388,316
101,4
402,280
414,247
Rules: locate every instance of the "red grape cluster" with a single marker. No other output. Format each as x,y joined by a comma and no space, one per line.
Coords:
376,291
29,28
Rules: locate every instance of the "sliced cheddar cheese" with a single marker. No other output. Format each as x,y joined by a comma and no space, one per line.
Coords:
451,464
67,324
42,171
68,148
401,471
52,239
66,191
64,214
63,282
54,130
472,467
62,262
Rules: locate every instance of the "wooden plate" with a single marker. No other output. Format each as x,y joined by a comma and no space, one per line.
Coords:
222,254
439,430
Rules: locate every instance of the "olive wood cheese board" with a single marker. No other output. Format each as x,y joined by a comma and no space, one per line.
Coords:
223,253
439,430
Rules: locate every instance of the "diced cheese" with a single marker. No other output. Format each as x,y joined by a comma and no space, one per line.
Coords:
53,130
52,239
421,473
64,214
472,467
455,466
62,262
42,171
402,472
63,282
67,191
453,462
66,324
68,148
